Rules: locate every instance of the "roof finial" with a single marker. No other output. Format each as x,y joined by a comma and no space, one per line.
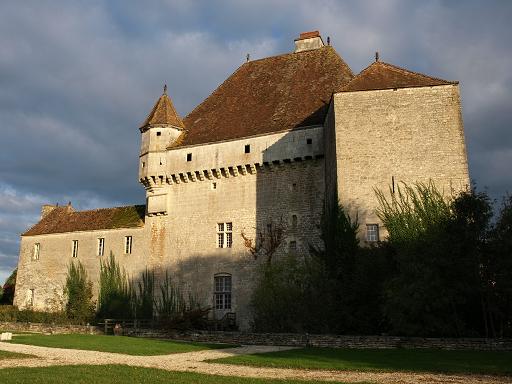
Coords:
328,40
248,57
165,89
377,56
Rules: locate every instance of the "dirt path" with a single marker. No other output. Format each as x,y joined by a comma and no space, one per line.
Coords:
194,362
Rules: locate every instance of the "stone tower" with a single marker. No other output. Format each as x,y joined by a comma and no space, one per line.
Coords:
160,129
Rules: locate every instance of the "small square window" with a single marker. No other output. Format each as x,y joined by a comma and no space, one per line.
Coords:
372,232
189,157
309,141
159,133
248,148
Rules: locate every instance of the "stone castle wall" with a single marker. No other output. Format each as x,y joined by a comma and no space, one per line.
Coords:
409,135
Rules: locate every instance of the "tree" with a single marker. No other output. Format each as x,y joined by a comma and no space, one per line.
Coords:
268,240
9,288
80,306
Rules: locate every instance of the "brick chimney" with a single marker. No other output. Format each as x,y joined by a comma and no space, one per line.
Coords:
47,209
308,41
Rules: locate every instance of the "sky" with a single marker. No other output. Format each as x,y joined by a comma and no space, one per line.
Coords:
78,77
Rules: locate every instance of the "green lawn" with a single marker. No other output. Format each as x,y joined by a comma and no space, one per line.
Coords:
12,355
116,344
107,374
416,360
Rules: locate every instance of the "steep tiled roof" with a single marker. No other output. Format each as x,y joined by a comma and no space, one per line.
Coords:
380,75
65,219
269,95
163,113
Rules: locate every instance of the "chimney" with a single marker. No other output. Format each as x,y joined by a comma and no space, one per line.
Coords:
47,209
308,41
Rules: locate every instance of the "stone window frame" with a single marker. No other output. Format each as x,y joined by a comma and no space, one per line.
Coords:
74,248
293,246
101,246
128,245
222,291
372,233
225,235
36,251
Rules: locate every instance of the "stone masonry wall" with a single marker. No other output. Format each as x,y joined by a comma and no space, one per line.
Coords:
411,135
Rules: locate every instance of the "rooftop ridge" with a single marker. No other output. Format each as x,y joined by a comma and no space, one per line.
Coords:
349,87
255,97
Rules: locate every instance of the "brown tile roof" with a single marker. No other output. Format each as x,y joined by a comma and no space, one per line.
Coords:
269,95
380,75
65,219
163,113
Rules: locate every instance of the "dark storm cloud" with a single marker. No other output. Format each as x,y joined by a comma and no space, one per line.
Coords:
76,79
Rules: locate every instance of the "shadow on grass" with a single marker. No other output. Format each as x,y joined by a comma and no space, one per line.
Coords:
115,344
413,360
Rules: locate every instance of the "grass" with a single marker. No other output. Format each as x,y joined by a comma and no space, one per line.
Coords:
415,360
115,344
106,374
12,355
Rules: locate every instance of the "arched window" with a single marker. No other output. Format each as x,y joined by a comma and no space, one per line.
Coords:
222,291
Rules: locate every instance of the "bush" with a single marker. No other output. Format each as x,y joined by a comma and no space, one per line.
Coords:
115,295
12,314
79,306
177,312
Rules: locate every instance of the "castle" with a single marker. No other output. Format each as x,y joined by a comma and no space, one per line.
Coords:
279,140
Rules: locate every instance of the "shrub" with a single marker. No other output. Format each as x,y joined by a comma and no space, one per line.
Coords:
79,306
12,314
177,312
115,296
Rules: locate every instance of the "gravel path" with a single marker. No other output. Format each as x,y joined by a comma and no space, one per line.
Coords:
194,362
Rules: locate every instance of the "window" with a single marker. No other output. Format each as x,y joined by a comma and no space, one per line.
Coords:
127,244
294,187
74,252
189,157
224,235
159,133
214,185
37,249
143,164
292,246
309,141
372,232
30,297
101,246
247,148
222,292
294,221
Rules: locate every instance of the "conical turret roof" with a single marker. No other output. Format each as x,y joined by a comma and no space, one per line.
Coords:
163,113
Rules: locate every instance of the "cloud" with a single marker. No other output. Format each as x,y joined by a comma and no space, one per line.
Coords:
77,78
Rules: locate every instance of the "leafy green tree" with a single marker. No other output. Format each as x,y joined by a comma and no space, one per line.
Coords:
8,288
80,306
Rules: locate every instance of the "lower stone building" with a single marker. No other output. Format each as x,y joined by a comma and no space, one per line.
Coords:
279,141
